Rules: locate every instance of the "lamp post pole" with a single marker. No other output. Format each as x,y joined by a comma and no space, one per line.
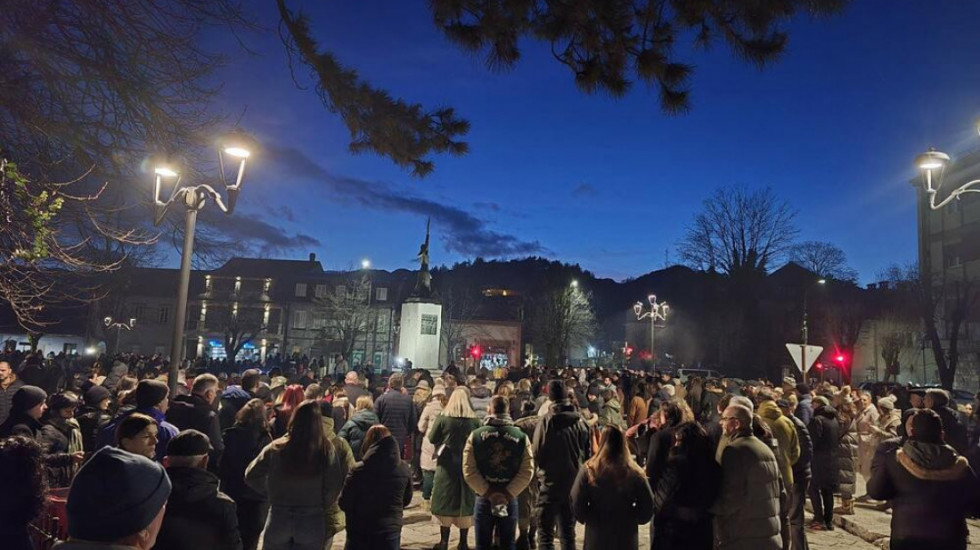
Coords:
806,329
657,312
192,205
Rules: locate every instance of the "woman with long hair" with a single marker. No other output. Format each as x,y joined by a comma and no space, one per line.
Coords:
611,495
376,494
685,492
288,401
302,475
452,498
243,442
24,481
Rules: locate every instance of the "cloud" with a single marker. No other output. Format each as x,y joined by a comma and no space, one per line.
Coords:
282,212
491,206
467,234
260,236
584,190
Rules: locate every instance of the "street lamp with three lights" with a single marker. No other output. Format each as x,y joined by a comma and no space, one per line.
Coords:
657,312
933,165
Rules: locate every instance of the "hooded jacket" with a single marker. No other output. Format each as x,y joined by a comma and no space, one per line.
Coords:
825,433
479,399
932,490
242,445
561,444
788,444
611,414
356,428
232,401
376,494
199,516
747,509
804,409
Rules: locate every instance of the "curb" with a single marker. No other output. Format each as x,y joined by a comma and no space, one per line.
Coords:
848,524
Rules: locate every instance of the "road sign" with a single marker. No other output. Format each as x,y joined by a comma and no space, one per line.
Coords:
804,356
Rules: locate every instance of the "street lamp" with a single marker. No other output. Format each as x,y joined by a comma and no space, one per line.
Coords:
236,148
365,264
657,312
109,323
806,329
574,283
933,165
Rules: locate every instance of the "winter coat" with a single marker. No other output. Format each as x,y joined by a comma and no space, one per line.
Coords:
637,411
682,496
787,443
825,435
376,494
193,412
165,431
356,428
242,445
397,412
659,443
451,496
497,455
747,509
427,458
517,403
932,491
847,459
232,401
801,468
91,420
199,516
953,428
55,460
60,436
6,396
867,438
116,373
611,509
611,414
479,399
336,519
804,409
560,445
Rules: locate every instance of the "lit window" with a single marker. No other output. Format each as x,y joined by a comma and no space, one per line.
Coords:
381,294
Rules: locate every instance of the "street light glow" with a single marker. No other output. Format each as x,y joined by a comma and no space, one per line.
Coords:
365,263
238,152
822,281
574,283
931,160
165,171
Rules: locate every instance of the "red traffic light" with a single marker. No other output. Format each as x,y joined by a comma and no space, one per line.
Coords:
629,351
840,358
476,352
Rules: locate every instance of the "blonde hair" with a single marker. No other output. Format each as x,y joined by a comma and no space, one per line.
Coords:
364,402
459,405
613,461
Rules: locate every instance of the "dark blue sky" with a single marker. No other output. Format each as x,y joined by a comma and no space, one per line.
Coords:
832,127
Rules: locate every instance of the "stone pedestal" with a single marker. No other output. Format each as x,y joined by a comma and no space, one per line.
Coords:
419,333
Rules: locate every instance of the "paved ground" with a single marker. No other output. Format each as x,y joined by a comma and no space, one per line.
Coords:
420,534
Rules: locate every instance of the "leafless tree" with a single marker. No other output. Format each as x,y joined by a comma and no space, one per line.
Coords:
346,313
562,318
824,259
459,304
739,231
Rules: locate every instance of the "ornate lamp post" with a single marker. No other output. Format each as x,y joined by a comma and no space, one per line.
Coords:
657,312
109,323
933,164
235,149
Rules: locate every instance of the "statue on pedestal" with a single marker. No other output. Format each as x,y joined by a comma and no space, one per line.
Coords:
423,286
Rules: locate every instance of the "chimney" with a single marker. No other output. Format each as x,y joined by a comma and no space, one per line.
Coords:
312,257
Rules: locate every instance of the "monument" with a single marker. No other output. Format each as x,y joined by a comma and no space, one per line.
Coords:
420,330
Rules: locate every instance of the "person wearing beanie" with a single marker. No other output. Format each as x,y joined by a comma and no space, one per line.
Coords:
151,400
93,416
117,500
60,433
9,384
27,406
560,446
932,488
199,516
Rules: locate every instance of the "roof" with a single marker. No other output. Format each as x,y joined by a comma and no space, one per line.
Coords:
262,268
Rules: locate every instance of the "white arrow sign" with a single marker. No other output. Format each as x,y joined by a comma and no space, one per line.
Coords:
804,356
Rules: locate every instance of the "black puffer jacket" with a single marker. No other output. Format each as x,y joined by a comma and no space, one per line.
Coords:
376,493
824,433
193,412
356,428
683,494
956,436
801,468
242,445
561,444
198,515
6,396
932,491
91,420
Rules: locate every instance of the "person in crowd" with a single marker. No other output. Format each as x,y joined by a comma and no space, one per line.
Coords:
420,398
60,434
151,400
611,496
522,394
937,400
611,411
725,437
747,509
377,491
889,419
138,434
199,516
637,410
796,497
397,412
804,408
427,458
27,406
302,476
291,398
234,397
479,396
685,491
561,444
452,499
825,435
847,456
355,429
527,522
9,384
865,421
196,412
336,519
354,387
24,481
243,442
117,500
932,488
497,465
782,428
93,416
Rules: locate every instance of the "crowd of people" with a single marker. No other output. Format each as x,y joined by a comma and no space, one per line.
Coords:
287,459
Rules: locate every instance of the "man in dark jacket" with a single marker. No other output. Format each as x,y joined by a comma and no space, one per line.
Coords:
354,388
953,430
561,444
825,435
198,516
747,509
804,409
801,481
396,411
196,412
9,384
94,416
235,397
376,493
933,489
